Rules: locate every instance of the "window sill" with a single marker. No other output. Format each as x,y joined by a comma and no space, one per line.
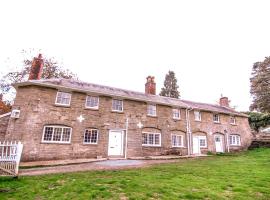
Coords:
88,108
217,123
198,120
235,145
177,119
154,116
61,105
65,143
117,111
90,144
146,145
178,147
233,124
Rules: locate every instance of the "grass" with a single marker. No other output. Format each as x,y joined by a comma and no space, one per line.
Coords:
241,176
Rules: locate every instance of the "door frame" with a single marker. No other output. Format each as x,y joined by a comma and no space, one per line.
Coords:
122,132
199,148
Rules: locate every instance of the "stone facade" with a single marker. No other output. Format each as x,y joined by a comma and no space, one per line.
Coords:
37,109
3,125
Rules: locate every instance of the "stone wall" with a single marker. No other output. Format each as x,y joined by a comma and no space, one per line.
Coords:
3,126
37,105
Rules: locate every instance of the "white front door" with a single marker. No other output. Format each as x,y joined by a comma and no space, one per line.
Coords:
115,143
196,145
219,144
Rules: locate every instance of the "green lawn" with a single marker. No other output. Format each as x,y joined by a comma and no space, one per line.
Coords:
240,176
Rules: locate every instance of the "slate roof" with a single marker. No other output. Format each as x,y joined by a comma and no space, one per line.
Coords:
75,85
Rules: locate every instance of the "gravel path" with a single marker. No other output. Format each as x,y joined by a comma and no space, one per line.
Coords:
102,165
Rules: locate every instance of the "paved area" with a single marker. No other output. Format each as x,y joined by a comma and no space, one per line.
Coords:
120,163
102,165
94,164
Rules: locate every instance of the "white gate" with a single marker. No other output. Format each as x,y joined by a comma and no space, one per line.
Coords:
10,156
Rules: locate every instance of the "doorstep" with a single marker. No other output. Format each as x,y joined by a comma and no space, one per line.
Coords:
59,162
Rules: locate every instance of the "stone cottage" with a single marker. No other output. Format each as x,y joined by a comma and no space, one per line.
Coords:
63,119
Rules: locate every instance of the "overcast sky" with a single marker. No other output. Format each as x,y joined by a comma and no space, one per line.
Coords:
211,45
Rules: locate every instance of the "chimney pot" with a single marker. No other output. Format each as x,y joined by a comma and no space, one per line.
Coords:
150,85
36,68
224,101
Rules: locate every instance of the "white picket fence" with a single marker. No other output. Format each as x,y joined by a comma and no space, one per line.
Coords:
10,156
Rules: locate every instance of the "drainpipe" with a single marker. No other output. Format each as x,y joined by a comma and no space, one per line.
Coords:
189,139
126,138
227,137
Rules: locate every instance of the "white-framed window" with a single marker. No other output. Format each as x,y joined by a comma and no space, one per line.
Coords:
90,136
203,141
56,134
151,110
197,115
117,105
232,120
235,140
176,113
63,98
177,140
92,102
151,139
216,118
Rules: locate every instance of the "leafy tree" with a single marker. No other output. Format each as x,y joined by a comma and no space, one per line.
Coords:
260,86
51,69
170,88
258,120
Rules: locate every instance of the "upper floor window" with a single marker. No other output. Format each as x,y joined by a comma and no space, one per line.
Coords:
197,115
232,120
151,110
92,102
216,118
63,98
177,140
151,139
235,140
176,114
90,136
56,134
117,105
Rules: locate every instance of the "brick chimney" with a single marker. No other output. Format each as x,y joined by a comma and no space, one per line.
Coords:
36,68
150,85
224,101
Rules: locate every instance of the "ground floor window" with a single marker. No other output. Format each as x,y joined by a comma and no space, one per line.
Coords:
203,142
177,140
56,134
151,139
90,136
235,140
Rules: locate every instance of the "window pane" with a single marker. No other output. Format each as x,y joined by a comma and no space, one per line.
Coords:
63,98
94,136
150,138
117,105
57,134
151,110
66,134
92,101
48,134
157,136
144,138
